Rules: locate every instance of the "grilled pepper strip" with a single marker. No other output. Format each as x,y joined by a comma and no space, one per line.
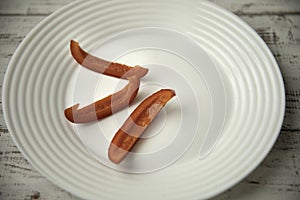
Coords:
106,106
102,66
136,123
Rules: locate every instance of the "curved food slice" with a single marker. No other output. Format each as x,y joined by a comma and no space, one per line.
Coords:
102,66
136,123
106,106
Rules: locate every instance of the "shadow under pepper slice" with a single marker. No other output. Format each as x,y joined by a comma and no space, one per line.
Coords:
106,106
102,66
127,136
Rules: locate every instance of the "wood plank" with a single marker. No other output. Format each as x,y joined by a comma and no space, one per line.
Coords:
260,7
244,7
275,177
19,180
13,31
31,7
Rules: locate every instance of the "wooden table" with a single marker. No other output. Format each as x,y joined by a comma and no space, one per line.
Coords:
277,177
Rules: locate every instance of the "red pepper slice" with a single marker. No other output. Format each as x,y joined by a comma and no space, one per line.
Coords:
106,106
102,66
136,123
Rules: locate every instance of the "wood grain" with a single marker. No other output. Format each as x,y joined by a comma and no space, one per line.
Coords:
277,177
30,7
260,7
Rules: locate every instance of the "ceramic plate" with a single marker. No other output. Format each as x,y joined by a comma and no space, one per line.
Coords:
223,121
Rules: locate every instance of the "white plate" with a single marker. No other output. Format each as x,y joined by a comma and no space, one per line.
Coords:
41,78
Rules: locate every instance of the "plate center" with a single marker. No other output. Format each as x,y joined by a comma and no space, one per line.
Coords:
180,129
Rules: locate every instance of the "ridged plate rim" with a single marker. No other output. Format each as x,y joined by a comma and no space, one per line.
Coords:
102,182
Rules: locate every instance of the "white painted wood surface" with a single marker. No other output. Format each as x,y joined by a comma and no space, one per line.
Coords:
276,178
